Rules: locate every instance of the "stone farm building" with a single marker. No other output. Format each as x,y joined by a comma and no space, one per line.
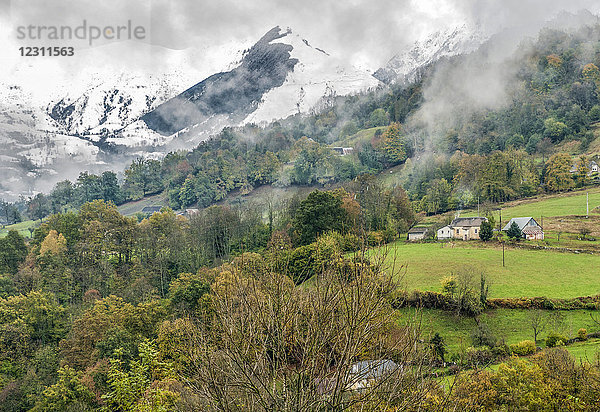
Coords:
417,233
530,229
464,228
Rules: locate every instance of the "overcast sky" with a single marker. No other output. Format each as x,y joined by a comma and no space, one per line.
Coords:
365,32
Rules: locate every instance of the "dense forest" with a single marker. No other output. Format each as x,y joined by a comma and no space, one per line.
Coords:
224,312
264,306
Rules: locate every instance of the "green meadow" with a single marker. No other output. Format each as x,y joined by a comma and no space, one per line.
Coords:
21,227
526,272
511,325
565,204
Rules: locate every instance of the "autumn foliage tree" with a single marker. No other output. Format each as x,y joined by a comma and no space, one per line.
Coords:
392,144
558,177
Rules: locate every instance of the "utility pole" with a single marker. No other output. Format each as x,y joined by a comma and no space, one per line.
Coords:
502,254
478,206
500,218
587,204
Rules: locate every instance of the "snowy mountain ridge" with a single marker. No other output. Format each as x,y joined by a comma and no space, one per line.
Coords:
406,67
102,120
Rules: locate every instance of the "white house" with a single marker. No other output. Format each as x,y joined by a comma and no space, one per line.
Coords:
445,233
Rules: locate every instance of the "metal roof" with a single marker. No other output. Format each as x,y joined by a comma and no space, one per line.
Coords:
521,222
371,369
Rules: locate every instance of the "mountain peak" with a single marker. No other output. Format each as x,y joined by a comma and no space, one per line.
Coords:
234,93
405,67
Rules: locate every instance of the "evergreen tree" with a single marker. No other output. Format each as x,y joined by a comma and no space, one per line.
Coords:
485,231
187,194
514,232
13,251
438,346
393,145
317,214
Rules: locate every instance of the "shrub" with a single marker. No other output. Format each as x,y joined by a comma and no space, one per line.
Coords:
479,356
302,263
483,336
523,348
582,334
375,238
555,339
449,285
389,235
501,351
351,242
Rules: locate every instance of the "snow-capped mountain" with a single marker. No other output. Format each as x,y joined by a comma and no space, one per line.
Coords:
406,67
316,77
106,107
281,75
29,145
102,120
99,119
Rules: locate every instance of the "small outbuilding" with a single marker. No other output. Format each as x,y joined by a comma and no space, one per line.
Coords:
342,151
191,212
417,233
365,373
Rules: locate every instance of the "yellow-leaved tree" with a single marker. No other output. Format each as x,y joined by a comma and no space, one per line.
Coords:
54,243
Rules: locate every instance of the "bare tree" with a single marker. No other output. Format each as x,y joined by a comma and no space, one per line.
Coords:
537,321
274,346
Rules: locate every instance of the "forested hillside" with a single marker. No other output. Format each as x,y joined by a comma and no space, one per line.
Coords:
491,152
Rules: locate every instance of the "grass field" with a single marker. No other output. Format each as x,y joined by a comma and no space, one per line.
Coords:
587,351
360,137
564,204
511,325
22,228
526,272
131,208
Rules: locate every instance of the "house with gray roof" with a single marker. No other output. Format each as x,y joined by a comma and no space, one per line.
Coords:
530,229
467,228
